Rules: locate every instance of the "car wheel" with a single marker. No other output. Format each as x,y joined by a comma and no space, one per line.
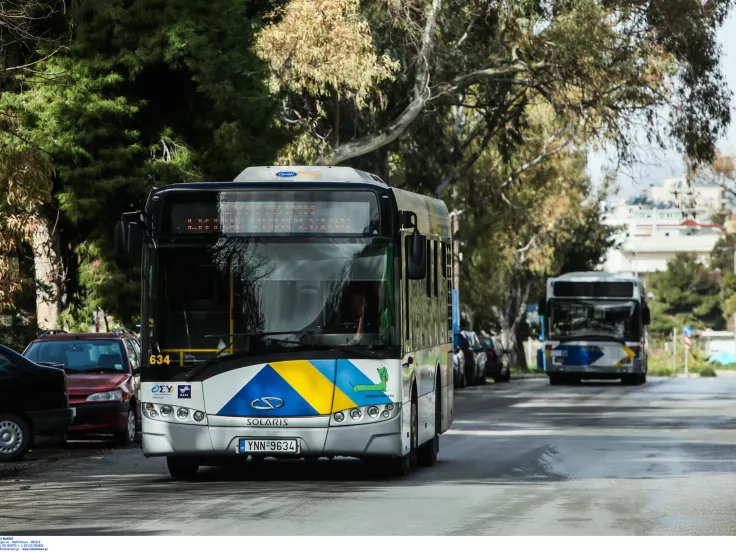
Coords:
181,467
502,378
481,377
127,435
15,437
555,380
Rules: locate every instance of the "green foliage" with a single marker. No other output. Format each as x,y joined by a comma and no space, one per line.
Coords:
687,293
505,98
708,373
179,96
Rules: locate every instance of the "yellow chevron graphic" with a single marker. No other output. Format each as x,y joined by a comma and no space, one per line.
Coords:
313,386
630,354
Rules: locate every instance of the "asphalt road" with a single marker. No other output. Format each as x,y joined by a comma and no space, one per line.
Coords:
522,458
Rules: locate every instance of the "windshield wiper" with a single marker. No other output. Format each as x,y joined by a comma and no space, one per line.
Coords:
101,371
234,339
364,351
52,364
590,337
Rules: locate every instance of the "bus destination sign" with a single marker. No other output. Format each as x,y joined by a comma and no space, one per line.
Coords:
270,217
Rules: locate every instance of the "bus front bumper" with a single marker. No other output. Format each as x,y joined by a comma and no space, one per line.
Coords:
370,439
604,372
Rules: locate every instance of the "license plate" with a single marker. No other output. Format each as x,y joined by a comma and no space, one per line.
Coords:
268,446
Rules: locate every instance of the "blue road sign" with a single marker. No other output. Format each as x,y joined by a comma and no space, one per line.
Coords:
455,312
687,330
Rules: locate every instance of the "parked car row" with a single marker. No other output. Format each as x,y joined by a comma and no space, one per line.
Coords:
69,385
475,359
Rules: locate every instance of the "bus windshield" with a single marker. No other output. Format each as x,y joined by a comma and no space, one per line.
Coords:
578,318
317,292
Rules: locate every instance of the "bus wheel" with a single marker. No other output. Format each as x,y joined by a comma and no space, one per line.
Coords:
428,451
555,380
181,467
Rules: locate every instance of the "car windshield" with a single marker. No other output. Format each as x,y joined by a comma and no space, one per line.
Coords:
79,355
574,318
287,295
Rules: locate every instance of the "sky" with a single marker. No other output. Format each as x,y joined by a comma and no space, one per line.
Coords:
660,164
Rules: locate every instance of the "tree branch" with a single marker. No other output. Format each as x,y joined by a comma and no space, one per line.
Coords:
390,133
537,160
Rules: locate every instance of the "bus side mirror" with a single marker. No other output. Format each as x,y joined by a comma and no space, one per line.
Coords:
128,240
416,262
646,316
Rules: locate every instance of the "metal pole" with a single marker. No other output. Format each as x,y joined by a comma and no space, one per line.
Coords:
674,350
687,350
544,345
456,252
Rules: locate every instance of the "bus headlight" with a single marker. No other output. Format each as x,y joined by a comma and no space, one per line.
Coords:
173,414
366,414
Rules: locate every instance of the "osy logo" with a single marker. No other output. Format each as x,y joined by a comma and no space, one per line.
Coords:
162,389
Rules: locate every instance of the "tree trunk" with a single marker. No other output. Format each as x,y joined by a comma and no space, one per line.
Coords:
49,272
509,319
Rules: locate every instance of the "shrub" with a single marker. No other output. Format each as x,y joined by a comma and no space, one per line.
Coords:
708,373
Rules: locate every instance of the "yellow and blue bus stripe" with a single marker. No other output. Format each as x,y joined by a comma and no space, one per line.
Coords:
306,387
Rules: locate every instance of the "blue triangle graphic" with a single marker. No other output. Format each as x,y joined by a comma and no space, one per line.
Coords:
267,384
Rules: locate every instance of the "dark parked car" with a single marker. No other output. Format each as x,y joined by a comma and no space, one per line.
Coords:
34,400
104,379
495,367
475,358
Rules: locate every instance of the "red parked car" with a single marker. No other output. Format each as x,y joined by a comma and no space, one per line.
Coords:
103,372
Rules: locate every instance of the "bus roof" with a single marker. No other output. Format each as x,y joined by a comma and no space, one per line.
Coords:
595,276
433,217
304,173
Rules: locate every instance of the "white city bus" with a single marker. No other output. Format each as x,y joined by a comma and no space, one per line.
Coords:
595,328
294,312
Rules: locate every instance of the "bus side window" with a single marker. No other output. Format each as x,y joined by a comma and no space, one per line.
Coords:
434,258
429,268
407,290
444,260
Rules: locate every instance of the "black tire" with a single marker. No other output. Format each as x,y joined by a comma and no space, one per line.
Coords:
427,454
631,380
643,378
556,379
16,437
503,378
181,467
128,435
